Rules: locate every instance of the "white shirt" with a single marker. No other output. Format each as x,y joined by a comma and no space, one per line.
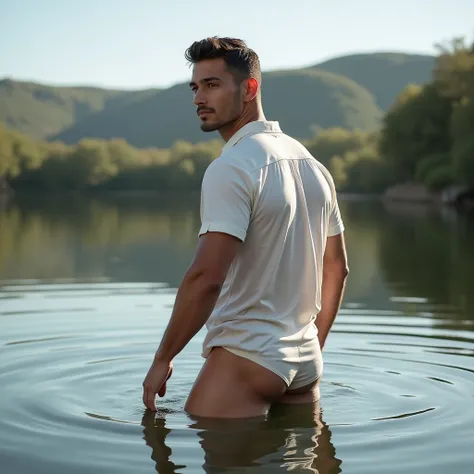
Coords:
267,190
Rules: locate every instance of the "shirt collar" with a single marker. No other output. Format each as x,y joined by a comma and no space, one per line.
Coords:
256,126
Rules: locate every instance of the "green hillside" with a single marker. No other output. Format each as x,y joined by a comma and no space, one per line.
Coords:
384,74
304,99
425,141
299,99
40,111
350,91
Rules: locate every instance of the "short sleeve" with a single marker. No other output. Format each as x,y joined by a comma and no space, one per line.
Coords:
336,225
226,200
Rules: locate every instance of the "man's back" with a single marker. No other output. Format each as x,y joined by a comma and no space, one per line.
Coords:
265,264
267,190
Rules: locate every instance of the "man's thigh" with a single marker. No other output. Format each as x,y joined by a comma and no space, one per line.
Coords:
230,386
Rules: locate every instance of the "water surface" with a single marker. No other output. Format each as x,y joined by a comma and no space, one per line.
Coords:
87,287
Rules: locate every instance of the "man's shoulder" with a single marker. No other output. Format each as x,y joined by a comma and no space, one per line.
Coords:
228,167
244,156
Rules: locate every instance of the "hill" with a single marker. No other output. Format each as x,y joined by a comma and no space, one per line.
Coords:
384,74
299,99
350,91
40,110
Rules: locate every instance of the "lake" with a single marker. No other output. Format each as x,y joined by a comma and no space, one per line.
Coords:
86,289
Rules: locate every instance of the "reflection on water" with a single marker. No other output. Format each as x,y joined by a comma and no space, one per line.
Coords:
397,250
128,239
290,438
86,289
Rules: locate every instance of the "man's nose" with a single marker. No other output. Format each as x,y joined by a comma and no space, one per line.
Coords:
199,98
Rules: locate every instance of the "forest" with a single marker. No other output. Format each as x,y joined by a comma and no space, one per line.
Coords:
426,136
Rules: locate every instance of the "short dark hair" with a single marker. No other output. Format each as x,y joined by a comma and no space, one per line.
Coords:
242,61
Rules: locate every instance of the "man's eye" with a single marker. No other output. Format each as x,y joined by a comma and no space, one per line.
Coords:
212,84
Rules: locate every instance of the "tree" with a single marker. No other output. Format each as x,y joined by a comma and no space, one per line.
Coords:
9,162
416,126
454,70
462,132
90,164
365,171
335,142
121,153
454,79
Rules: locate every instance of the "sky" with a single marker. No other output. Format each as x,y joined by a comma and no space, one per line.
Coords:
136,44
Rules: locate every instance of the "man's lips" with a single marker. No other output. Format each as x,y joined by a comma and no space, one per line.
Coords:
203,112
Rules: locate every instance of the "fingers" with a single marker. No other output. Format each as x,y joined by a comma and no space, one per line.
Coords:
162,390
155,383
149,398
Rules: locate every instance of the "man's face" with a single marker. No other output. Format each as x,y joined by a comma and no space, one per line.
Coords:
217,96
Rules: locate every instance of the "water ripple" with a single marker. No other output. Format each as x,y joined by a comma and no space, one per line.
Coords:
71,378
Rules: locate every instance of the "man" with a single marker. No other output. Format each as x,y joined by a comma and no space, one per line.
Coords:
270,267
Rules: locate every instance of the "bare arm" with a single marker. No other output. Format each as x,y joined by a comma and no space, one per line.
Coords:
226,206
335,271
195,300
198,292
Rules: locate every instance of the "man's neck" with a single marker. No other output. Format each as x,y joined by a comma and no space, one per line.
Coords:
227,132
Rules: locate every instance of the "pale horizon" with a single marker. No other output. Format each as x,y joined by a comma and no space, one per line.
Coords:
139,45
186,79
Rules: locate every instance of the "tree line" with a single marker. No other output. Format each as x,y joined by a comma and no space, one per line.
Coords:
427,136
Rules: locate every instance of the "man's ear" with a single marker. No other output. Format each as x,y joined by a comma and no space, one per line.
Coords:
252,88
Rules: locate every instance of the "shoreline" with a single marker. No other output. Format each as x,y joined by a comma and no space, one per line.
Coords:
403,194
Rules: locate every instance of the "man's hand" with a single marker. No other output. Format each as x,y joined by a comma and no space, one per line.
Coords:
155,382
